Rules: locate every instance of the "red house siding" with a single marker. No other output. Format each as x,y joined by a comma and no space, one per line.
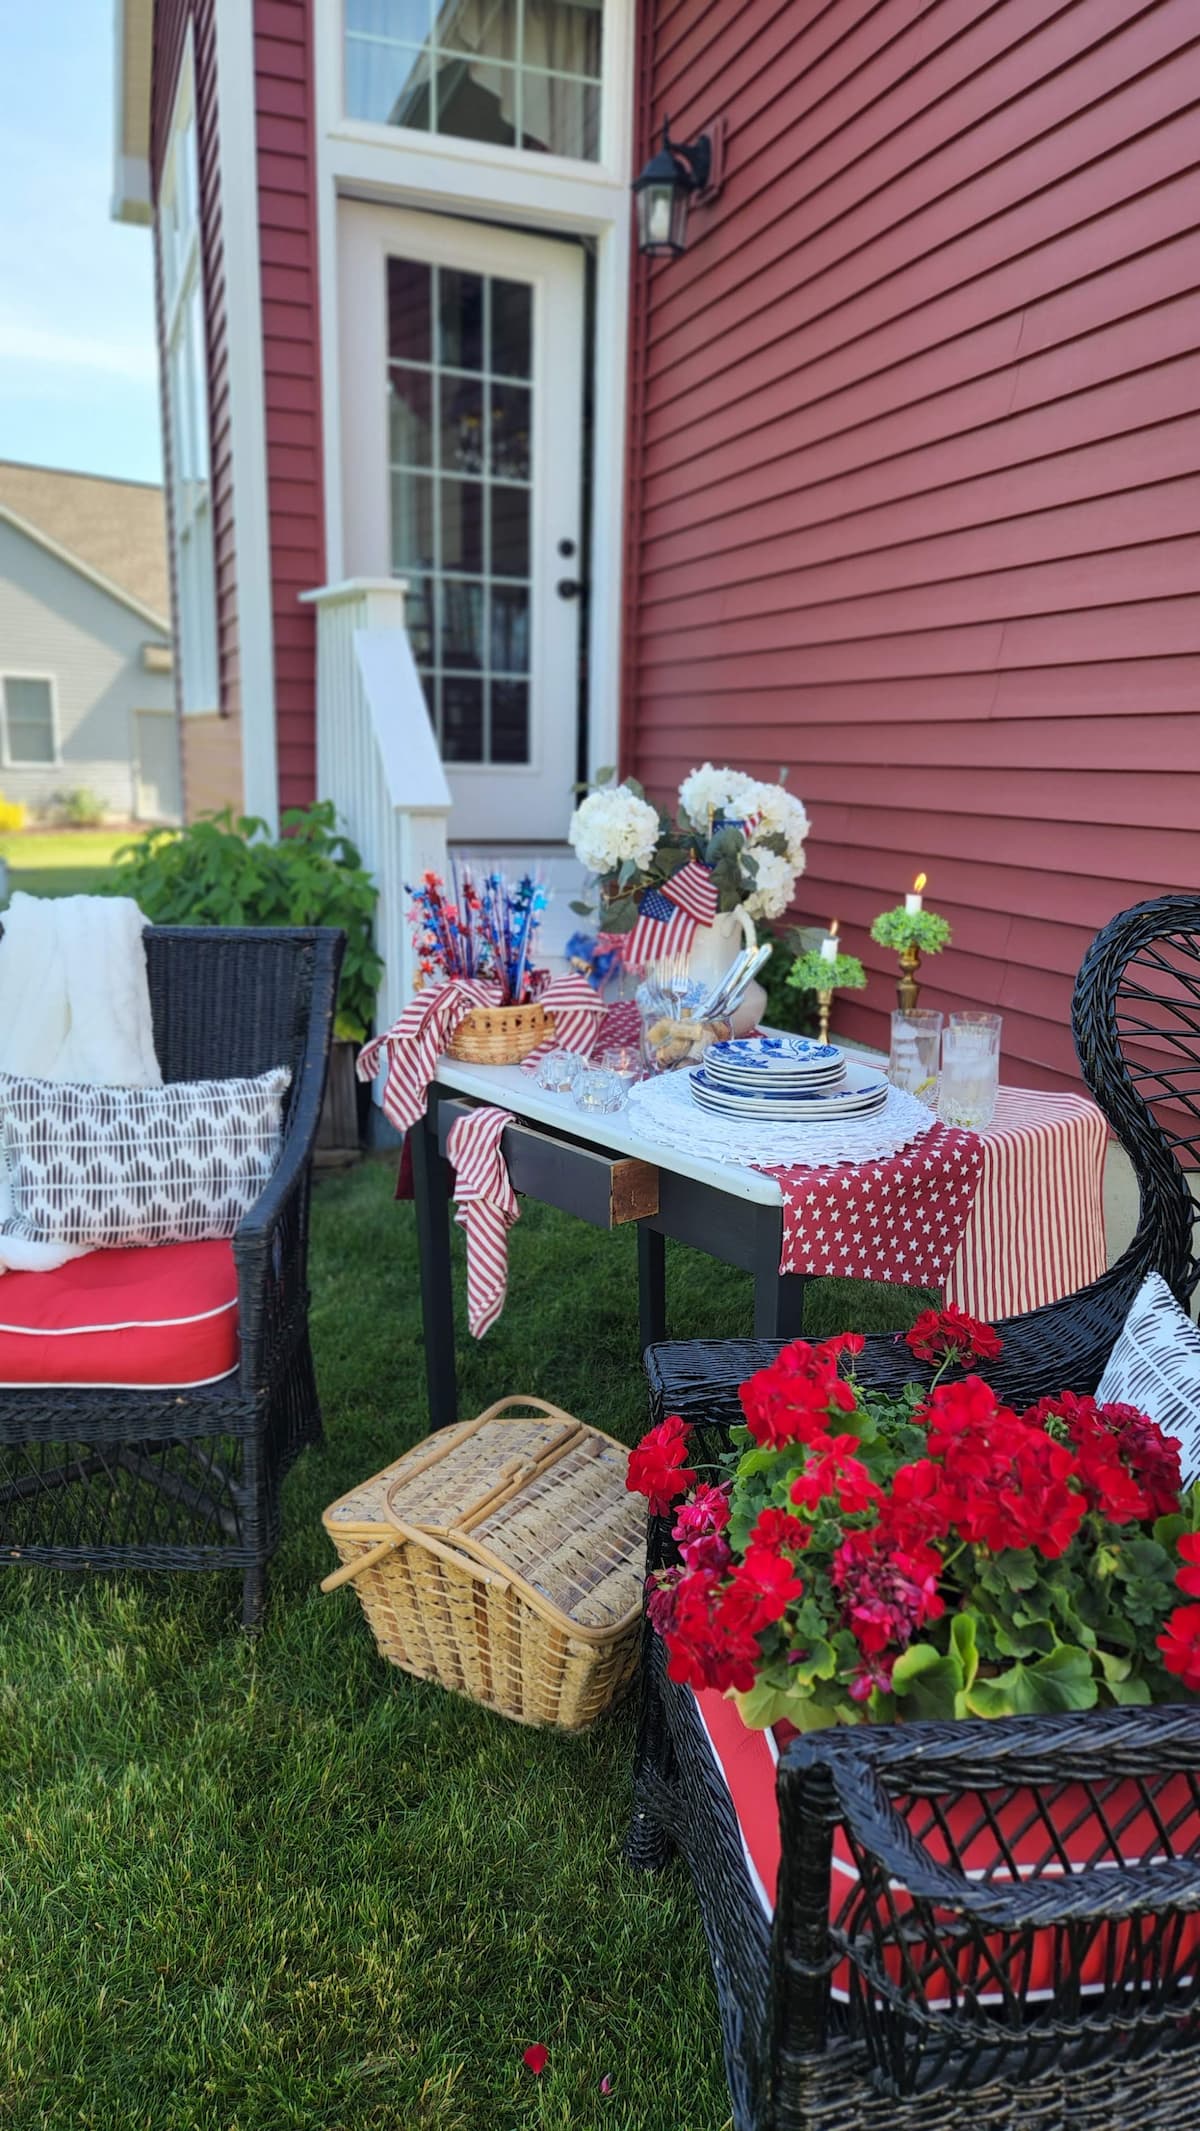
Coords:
171,18
292,369
913,463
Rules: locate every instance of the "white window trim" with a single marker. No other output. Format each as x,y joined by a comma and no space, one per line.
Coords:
182,281
545,195
22,673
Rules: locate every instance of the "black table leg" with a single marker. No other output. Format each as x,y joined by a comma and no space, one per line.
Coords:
431,1194
652,1285
778,1297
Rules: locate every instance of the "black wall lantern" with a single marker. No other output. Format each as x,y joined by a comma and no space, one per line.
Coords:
664,190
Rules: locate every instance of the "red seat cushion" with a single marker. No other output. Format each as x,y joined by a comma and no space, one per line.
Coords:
155,1319
749,1761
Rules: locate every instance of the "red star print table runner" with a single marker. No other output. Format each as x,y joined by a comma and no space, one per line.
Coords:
901,1219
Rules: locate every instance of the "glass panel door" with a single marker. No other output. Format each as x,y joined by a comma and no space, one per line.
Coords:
460,429
462,452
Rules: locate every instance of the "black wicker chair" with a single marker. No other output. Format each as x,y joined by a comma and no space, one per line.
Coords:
190,1479
1125,2053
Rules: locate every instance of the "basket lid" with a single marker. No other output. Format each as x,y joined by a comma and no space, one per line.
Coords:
544,1498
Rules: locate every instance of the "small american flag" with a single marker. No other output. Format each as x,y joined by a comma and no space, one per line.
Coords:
668,917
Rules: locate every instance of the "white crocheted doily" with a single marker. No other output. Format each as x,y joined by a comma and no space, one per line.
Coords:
662,1109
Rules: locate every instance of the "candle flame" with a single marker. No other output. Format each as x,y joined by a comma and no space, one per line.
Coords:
919,883
833,925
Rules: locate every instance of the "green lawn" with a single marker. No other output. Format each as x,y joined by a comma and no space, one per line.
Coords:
283,1887
61,861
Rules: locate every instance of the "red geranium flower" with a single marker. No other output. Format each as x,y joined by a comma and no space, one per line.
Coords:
1005,1483
834,1471
1180,1645
1188,1578
656,1467
794,1399
775,1528
707,1511
950,1335
761,1590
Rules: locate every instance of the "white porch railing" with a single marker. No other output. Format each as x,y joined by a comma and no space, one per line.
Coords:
377,759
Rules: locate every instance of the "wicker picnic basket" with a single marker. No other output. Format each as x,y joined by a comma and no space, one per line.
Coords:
500,1035
503,1557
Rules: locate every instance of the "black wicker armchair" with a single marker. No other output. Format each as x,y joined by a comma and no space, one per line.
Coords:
1117,2043
190,1479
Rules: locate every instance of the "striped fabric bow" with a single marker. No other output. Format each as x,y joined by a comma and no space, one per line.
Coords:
412,1046
486,1207
668,917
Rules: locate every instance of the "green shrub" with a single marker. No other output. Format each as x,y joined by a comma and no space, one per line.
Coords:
226,872
81,808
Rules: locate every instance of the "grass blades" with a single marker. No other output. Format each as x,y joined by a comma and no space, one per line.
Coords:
283,1887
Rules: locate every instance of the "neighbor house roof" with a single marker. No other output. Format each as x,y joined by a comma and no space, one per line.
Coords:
115,529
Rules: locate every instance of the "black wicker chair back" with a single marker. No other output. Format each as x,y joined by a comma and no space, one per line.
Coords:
112,1478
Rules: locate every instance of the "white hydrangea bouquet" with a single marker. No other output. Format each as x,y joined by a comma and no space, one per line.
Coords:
749,835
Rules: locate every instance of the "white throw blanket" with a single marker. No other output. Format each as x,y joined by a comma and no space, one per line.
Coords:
74,1005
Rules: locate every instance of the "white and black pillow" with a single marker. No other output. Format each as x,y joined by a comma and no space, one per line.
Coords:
1155,1366
114,1167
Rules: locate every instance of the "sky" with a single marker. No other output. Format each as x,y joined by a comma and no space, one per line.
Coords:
78,376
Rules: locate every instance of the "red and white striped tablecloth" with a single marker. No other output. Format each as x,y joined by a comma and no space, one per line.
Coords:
1035,1231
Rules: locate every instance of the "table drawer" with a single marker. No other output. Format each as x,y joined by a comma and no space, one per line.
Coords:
605,1189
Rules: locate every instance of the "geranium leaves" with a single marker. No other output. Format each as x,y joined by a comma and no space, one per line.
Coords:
1061,1680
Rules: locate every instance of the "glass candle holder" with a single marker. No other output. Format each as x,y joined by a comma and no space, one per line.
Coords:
598,1090
558,1071
624,1059
913,1063
970,1078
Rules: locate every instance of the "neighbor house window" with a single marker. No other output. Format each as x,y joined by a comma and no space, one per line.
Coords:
187,403
28,719
520,73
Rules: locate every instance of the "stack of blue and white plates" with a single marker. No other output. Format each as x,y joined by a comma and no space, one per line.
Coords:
789,1078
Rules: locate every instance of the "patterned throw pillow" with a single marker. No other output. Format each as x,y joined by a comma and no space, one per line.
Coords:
1155,1365
110,1167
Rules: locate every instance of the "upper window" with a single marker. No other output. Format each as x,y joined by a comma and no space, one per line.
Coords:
519,73
28,720
187,404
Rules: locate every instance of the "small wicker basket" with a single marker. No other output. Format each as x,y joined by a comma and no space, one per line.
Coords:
503,1557
499,1035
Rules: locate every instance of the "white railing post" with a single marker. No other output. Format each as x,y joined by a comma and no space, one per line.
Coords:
377,759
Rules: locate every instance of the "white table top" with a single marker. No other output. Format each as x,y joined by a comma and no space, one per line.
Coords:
517,1090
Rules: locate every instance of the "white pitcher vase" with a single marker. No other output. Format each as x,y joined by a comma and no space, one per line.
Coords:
714,948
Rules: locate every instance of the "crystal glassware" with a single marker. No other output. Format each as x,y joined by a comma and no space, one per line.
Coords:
970,1076
985,1027
559,1070
624,1059
913,1063
597,1089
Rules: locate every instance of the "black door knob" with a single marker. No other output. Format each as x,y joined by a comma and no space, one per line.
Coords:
569,588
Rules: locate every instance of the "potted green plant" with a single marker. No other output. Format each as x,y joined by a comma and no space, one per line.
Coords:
224,870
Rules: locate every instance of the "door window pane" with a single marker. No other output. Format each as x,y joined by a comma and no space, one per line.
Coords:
29,720
410,416
410,311
413,541
511,325
510,721
510,531
460,319
462,720
461,529
514,72
508,433
462,425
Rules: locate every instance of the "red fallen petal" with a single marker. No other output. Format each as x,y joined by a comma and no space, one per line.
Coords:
537,2056
606,2084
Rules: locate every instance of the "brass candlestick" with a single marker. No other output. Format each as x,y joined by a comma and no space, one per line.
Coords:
824,1003
908,991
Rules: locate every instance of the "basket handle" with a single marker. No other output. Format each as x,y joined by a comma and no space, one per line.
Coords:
349,1569
525,1398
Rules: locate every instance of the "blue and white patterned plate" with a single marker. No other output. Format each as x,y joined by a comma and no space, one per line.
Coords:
769,1057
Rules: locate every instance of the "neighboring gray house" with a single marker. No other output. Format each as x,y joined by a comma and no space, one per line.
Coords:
87,698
